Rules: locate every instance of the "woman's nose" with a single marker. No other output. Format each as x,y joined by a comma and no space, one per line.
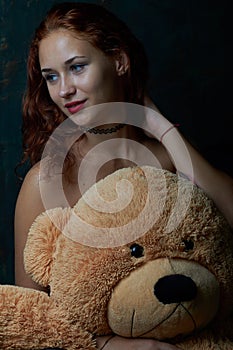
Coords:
66,89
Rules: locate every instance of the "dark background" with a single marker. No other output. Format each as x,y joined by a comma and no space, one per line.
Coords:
189,47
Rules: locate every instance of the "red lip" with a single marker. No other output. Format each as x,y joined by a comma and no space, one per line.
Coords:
75,106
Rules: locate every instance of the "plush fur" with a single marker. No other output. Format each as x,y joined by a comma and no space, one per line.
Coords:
143,253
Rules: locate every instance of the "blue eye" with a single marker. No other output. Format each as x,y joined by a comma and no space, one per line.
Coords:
77,68
51,78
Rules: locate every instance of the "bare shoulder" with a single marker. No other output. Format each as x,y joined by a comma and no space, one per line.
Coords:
31,186
159,152
32,177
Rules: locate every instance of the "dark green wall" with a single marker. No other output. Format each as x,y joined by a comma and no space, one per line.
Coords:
189,48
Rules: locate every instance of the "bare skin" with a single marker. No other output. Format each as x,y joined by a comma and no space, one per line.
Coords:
30,201
76,71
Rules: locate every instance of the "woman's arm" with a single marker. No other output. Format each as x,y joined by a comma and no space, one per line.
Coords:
187,161
116,343
29,205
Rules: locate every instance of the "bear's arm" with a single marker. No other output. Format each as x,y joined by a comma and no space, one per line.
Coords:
29,319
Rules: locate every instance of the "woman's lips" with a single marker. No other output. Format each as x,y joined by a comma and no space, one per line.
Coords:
75,106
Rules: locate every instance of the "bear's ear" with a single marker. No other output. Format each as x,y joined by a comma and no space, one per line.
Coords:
41,243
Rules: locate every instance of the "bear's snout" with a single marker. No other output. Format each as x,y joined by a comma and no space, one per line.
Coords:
163,292
175,288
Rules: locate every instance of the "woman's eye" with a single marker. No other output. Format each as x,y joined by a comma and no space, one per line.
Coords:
51,78
77,68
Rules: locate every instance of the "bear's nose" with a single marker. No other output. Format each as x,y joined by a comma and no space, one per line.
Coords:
175,289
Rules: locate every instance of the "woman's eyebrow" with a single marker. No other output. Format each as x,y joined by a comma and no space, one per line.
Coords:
45,70
70,60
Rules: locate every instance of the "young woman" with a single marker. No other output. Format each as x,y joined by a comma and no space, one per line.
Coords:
83,56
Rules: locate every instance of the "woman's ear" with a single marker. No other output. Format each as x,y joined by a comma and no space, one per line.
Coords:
122,63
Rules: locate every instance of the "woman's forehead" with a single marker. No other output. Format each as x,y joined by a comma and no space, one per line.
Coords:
65,45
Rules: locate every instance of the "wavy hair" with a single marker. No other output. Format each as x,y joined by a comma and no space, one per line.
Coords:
104,31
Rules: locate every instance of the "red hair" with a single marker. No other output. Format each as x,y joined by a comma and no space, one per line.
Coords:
104,31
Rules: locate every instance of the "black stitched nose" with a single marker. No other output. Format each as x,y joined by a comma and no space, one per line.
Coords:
175,289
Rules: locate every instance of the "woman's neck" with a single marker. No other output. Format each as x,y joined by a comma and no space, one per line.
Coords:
97,135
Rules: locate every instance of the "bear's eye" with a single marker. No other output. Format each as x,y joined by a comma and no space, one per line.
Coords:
137,250
188,245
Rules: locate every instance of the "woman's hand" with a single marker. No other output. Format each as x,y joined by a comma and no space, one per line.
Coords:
116,343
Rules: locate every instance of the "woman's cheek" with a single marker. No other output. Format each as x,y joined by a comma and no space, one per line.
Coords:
89,83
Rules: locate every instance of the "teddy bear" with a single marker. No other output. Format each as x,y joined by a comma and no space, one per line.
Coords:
143,253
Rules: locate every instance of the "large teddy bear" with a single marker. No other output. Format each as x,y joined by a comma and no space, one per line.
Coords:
143,253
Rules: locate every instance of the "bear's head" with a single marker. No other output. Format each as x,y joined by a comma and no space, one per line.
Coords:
144,253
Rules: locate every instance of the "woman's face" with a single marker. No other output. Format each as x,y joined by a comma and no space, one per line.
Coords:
77,74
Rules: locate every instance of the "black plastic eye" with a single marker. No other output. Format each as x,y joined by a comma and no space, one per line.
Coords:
188,245
137,250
